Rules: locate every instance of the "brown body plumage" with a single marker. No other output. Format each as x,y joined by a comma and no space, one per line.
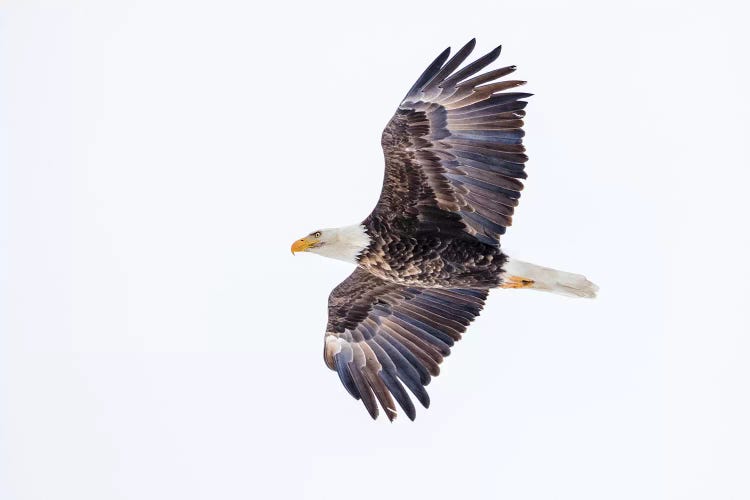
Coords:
431,259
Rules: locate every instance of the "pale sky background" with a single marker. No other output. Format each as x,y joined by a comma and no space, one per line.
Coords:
159,341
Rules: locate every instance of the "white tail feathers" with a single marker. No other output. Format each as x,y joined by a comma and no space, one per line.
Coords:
518,274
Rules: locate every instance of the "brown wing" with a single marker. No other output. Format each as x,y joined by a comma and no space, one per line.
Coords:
453,150
381,335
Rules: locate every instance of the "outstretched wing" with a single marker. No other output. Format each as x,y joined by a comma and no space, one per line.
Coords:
381,335
453,150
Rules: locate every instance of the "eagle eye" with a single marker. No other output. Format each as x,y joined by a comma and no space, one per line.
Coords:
317,234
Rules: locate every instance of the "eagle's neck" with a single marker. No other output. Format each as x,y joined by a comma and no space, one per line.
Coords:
345,243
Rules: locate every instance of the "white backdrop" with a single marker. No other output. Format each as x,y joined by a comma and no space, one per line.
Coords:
159,340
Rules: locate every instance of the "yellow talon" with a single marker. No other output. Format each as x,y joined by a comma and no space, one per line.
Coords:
517,282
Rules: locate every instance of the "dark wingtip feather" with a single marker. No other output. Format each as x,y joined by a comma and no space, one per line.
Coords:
422,396
391,414
344,375
438,78
472,68
372,410
431,70
399,393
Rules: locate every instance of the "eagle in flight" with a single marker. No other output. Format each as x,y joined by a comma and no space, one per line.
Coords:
430,251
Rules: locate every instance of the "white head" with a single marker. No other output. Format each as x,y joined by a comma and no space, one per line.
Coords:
342,243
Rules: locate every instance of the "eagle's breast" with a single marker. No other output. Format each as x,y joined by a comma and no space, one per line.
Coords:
430,260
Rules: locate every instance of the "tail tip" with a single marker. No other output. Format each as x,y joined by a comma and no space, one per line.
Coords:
583,288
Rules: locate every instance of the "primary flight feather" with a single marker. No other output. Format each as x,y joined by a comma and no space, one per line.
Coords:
430,251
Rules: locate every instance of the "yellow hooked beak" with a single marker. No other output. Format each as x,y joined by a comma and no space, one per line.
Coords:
304,244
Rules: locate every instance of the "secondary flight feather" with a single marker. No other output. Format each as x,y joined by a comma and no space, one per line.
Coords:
430,251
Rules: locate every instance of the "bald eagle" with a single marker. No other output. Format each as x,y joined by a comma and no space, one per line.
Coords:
430,251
